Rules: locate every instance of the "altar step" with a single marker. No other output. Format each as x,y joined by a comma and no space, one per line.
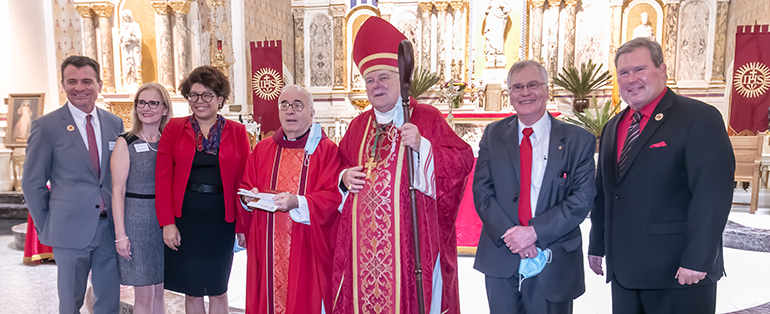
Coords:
13,206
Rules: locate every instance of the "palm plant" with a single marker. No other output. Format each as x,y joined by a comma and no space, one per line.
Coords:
422,80
583,82
594,122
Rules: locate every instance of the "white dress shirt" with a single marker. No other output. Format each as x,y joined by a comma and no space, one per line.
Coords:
80,122
540,138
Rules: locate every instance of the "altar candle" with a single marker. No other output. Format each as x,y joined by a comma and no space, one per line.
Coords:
219,45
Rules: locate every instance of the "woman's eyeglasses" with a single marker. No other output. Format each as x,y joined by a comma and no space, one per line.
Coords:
152,103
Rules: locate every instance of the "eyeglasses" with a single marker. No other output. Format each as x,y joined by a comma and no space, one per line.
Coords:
531,85
297,105
207,97
152,103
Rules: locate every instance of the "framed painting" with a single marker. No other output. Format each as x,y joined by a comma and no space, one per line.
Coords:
22,109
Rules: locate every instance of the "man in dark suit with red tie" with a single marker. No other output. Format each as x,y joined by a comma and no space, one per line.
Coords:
533,186
665,185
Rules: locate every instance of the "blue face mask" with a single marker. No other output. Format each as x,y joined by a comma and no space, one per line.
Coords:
530,267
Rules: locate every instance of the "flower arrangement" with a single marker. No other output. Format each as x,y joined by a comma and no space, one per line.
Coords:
453,91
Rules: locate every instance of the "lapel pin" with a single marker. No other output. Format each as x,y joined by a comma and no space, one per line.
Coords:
659,117
559,147
70,128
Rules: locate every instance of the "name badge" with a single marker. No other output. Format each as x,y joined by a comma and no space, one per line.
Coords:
142,147
112,145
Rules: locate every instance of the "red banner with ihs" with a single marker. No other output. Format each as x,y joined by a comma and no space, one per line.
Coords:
751,80
266,83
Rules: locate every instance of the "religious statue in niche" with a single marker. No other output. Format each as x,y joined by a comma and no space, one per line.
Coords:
131,51
644,29
494,31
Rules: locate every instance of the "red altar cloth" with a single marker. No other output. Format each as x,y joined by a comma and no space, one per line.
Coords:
468,224
34,251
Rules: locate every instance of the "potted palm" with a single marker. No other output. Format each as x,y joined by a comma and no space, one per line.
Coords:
594,121
581,83
422,81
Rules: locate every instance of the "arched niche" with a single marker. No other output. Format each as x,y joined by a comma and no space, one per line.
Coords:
355,18
632,20
695,46
144,15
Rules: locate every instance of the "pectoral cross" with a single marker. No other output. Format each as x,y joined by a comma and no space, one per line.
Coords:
369,167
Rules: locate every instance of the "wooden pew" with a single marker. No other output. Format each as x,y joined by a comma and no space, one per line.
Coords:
748,156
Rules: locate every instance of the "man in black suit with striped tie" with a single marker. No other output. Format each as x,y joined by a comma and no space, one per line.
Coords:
664,190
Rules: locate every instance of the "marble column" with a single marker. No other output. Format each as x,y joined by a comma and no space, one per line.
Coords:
720,43
553,38
166,61
106,60
426,8
441,62
181,39
457,39
89,33
536,12
616,16
670,31
569,33
299,45
339,46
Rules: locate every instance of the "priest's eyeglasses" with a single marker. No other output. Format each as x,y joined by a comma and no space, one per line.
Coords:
297,105
518,88
152,103
207,97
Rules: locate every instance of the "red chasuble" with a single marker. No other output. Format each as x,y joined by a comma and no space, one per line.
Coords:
289,263
374,255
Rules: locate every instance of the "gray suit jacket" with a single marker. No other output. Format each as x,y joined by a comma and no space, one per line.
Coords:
66,215
565,198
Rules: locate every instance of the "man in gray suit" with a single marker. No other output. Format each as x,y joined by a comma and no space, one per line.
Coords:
70,148
533,186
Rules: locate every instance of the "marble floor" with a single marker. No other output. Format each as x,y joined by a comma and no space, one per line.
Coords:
28,290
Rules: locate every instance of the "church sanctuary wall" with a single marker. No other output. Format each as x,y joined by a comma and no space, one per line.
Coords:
267,20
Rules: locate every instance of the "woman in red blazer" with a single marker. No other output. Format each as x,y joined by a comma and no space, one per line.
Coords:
199,165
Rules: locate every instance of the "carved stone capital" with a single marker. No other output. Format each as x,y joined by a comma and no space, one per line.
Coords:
441,6
180,6
104,9
337,10
84,10
570,3
537,3
554,3
298,12
456,4
161,7
425,6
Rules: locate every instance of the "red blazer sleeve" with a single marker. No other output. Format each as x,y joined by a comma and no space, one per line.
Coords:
164,173
244,149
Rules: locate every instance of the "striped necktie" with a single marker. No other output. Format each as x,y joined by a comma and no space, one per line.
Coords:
631,136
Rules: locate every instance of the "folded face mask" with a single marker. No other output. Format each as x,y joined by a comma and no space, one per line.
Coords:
530,267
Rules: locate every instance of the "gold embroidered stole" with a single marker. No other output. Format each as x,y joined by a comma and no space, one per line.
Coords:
376,226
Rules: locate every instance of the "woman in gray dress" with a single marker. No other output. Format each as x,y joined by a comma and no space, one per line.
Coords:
139,240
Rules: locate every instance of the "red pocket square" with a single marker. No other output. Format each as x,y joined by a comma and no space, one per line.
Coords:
661,144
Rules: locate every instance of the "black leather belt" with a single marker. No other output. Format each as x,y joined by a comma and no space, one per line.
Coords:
204,188
141,196
103,215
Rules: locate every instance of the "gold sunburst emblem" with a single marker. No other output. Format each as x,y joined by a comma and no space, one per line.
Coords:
752,79
267,83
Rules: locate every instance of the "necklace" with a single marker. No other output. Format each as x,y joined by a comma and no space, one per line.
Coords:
144,138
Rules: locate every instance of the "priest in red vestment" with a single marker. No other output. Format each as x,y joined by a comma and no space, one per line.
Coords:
374,258
290,250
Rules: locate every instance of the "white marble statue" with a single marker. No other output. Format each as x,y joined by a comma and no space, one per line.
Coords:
131,50
644,29
496,19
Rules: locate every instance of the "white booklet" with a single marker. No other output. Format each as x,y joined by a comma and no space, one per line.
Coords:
262,200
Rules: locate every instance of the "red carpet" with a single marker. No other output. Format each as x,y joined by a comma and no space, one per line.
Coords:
468,224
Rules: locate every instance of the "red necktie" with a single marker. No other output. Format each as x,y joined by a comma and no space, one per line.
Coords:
93,150
525,158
